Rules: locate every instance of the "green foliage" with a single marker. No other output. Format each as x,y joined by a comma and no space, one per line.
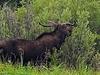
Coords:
4,29
94,8
6,69
24,22
79,48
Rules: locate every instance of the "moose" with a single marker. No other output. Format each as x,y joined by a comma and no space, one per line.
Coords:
36,50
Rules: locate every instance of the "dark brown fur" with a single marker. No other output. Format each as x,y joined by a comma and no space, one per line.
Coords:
36,50
7,47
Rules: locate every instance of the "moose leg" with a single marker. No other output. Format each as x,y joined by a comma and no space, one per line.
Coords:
1,55
21,55
25,62
13,58
21,58
48,62
10,58
47,57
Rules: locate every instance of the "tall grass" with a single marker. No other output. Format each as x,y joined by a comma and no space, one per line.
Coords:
6,69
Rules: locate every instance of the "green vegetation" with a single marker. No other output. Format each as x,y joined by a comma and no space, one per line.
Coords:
17,70
82,48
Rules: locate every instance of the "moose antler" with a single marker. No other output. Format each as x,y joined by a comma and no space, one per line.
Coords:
50,24
43,25
67,23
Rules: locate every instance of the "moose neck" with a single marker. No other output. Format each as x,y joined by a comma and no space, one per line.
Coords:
61,35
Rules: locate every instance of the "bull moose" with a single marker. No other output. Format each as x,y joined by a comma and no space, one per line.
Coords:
35,50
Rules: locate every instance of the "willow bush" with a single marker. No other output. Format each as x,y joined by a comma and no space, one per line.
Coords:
79,48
